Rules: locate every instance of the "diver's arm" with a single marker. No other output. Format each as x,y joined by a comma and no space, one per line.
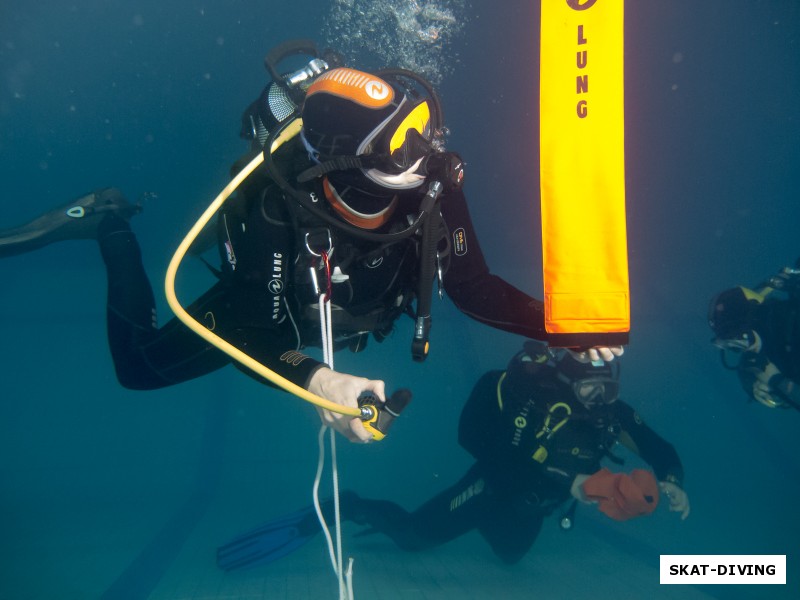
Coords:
763,381
486,297
766,384
278,357
655,450
786,280
317,378
659,454
787,389
474,290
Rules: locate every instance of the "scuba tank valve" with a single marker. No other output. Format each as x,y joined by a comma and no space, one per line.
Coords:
315,67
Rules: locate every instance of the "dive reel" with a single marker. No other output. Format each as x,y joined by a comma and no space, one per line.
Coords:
377,416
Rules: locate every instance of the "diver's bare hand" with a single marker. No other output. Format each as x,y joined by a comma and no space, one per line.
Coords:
606,353
344,389
678,500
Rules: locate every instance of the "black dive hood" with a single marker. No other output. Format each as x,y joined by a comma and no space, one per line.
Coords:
444,170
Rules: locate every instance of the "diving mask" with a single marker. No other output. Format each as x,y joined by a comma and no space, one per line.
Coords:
742,341
596,391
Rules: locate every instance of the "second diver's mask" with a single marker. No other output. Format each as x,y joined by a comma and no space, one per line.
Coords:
538,366
592,385
596,391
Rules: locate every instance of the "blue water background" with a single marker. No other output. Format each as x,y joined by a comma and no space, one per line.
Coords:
110,493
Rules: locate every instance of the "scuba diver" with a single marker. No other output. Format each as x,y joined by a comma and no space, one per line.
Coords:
539,432
361,202
762,327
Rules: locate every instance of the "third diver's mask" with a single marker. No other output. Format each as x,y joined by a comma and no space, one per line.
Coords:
742,341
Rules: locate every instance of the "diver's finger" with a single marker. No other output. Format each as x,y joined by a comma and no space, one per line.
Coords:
358,432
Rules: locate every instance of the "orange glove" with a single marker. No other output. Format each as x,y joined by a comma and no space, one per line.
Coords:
622,496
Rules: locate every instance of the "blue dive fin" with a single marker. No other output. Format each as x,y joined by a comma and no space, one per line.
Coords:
269,542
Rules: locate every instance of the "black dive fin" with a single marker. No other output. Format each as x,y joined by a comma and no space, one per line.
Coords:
76,220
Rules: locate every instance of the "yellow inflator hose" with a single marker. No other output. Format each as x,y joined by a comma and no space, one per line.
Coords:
211,337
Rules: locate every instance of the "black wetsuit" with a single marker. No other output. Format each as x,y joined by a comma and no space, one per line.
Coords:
506,494
263,302
777,322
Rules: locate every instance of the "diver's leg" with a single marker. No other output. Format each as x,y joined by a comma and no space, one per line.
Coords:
146,357
446,516
511,527
76,220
